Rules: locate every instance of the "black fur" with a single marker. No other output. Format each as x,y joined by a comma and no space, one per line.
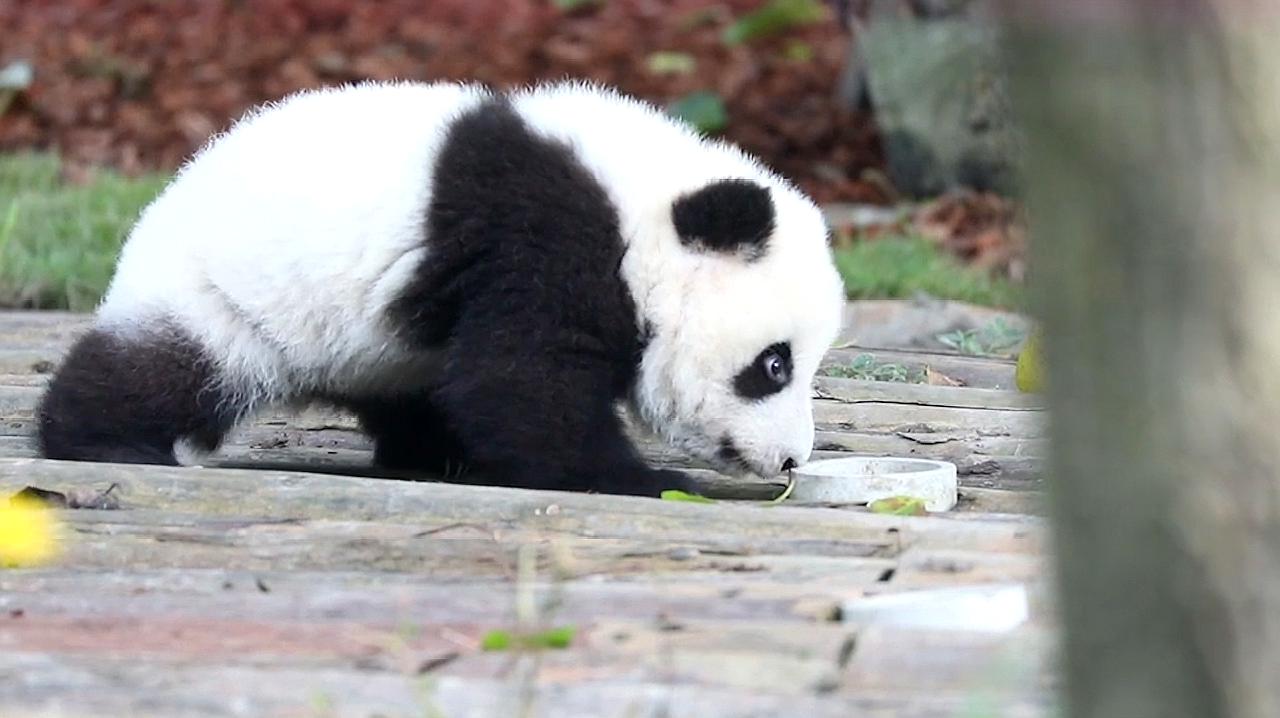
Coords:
128,401
726,216
521,293
753,382
409,433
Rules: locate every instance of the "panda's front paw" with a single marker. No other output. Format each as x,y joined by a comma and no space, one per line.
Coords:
651,482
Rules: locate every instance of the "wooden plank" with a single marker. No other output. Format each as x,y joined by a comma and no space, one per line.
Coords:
239,493
144,539
855,391
50,322
182,614
986,372
911,418
798,657
534,687
259,598
891,660
940,443
30,360
17,447
1000,501
36,380
17,428
18,402
940,567
382,597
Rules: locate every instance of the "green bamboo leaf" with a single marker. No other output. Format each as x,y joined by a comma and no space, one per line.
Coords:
898,506
677,495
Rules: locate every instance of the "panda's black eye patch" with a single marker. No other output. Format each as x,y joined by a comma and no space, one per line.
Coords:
769,373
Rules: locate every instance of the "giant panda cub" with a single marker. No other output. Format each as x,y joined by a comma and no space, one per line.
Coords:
480,277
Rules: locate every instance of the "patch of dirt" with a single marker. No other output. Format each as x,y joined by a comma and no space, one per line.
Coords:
140,84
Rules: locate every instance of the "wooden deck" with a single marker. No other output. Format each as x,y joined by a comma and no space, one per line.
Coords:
289,579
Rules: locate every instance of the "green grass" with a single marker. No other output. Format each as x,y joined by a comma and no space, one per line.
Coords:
58,243
903,267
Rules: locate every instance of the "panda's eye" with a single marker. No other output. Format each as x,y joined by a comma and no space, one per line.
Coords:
775,367
767,374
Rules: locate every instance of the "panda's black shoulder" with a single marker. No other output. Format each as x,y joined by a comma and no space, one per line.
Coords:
516,227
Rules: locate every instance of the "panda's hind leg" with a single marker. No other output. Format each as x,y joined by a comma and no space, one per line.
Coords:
127,397
410,433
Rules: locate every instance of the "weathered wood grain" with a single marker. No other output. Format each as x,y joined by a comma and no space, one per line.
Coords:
980,372
292,578
340,583
550,685
240,493
896,418
856,391
18,402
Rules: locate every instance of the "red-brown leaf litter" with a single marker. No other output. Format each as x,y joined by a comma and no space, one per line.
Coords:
140,84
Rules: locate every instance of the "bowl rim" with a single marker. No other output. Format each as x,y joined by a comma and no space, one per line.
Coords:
926,466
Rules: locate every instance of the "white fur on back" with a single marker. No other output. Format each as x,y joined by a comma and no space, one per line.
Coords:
281,243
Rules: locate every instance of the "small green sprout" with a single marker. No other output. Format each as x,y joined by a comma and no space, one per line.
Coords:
998,338
866,368
507,640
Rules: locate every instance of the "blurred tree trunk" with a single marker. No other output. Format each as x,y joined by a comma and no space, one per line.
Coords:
1153,179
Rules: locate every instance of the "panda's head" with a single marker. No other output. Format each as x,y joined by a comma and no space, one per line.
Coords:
741,299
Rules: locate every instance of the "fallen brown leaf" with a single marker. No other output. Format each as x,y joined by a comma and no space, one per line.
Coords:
937,378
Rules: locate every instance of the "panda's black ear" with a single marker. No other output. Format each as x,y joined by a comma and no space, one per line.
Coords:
731,215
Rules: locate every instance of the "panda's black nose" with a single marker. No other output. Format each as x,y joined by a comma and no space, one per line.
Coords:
789,464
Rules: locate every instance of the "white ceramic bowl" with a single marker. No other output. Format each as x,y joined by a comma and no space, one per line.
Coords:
863,479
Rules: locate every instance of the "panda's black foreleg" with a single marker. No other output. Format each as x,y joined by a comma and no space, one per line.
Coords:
128,399
616,468
545,420
410,433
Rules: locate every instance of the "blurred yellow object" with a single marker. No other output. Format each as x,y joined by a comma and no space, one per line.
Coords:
27,533
1030,373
